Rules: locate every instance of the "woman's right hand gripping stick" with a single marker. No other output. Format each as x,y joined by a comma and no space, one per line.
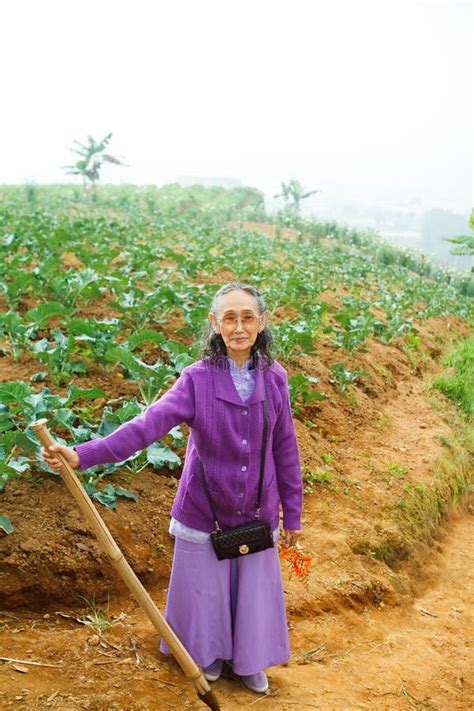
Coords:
69,454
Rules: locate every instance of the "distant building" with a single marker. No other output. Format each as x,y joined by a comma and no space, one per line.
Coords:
186,180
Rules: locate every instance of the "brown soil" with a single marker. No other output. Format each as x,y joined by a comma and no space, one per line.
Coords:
390,631
389,658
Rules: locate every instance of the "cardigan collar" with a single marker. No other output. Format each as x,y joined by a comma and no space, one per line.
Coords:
225,388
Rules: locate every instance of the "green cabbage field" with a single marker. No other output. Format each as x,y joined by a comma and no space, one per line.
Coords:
150,255
104,295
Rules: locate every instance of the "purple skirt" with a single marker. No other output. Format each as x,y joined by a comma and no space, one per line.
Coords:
228,609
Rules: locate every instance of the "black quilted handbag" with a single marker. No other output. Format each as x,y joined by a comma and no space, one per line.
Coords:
253,536
249,538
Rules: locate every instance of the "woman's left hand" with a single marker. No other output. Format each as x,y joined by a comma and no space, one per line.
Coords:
290,538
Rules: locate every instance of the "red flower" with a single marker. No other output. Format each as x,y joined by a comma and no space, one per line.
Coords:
299,564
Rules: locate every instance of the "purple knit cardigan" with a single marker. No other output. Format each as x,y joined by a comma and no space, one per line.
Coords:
227,435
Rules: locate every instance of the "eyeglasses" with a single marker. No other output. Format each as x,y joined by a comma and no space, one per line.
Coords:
247,320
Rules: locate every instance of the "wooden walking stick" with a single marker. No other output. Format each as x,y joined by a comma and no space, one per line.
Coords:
107,543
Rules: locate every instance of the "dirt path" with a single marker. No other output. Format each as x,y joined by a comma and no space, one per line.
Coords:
396,658
411,657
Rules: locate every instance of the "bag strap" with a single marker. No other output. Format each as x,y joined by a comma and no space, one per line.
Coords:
264,449
262,464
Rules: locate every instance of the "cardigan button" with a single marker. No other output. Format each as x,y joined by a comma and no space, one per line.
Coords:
244,412
244,441
238,512
244,468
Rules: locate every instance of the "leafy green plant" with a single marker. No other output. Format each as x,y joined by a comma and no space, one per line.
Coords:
398,469
301,392
108,494
40,315
160,455
11,467
20,406
179,354
415,350
18,333
343,376
6,525
357,326
57,357
17,284
317,477
151,379
294,338
84,286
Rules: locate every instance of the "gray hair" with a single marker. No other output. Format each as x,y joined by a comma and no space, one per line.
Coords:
232,286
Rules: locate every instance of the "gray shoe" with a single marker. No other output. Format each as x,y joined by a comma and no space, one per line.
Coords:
256,682
214,670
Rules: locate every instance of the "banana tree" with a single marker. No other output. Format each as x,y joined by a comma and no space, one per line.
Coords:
294,192
92,157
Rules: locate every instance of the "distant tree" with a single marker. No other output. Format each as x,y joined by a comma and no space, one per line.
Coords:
465,243
293,192
92,157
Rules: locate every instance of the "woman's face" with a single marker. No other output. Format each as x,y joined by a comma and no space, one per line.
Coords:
238,322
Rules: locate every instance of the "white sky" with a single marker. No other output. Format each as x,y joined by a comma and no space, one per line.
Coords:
361,99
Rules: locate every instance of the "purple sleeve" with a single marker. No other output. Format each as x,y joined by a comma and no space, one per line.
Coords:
174,407
287,464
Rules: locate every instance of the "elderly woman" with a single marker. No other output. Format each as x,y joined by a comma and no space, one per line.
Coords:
231,609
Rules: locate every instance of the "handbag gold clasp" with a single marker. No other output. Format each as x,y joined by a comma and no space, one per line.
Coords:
243,549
